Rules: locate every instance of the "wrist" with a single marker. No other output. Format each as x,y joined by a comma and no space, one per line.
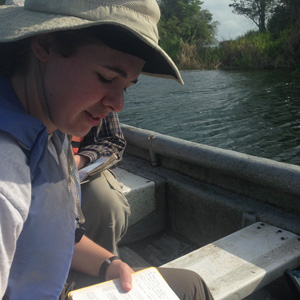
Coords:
105,265
81,161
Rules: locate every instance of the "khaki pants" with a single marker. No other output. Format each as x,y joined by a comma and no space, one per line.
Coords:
106,210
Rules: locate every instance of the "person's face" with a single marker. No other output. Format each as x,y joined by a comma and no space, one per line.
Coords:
84,88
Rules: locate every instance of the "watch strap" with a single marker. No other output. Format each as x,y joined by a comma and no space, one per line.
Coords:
105,265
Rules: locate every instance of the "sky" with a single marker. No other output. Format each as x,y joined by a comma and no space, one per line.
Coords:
231,25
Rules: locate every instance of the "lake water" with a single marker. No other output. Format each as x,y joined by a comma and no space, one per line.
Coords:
254,112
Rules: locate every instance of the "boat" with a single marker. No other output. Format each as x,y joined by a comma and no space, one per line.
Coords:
189,199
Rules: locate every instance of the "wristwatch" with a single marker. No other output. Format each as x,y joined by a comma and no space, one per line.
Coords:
105,266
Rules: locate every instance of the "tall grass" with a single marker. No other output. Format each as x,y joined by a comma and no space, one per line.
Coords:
247,52
193,57
254,50
188,57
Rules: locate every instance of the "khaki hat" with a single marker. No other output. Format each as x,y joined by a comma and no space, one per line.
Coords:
139,17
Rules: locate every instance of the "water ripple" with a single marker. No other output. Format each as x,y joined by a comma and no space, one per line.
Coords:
257,113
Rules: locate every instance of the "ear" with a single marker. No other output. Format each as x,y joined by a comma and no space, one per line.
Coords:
40,45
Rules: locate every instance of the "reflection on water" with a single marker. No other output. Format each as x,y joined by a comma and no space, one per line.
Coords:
255,112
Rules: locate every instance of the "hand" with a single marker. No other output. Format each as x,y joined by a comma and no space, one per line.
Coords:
80,161
119,269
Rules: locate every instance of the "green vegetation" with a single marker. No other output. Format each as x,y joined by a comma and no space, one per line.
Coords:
276,43
184,29
258,50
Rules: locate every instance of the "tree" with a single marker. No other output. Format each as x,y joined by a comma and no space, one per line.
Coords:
191,21
285,15
184,21
258,11
293,9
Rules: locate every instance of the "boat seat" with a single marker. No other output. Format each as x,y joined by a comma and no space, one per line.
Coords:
140,193
235,266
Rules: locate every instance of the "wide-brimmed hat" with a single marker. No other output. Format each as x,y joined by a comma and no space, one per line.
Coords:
139,17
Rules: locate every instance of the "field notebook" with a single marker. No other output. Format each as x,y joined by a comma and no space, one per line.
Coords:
146,284
96,167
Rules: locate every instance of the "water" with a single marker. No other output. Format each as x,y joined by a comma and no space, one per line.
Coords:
255,112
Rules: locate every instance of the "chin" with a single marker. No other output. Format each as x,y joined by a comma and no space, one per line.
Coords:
78,133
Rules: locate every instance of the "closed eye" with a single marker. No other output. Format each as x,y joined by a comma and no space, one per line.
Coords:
130,84
102,79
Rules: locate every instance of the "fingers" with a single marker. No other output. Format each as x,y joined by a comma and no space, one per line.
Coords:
126,281
119,269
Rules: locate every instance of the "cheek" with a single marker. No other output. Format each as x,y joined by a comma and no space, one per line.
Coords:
63,89
70,88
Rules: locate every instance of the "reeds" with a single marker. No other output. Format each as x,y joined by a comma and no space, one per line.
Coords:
254,50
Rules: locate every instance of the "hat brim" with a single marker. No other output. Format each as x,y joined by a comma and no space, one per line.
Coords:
21,23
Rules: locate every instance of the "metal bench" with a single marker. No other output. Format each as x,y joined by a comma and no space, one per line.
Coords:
140,193
235,266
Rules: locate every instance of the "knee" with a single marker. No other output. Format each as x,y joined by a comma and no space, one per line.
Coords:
196,287
109,205
187,284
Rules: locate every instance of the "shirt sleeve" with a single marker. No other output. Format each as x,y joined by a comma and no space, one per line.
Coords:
104,140
15,198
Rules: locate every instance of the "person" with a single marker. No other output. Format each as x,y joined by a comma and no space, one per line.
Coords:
64,66
103,203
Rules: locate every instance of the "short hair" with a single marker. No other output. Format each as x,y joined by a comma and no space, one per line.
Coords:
14,56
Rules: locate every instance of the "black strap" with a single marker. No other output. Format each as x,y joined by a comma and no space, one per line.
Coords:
104,267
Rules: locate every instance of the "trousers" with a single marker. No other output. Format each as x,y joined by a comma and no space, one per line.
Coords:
106,210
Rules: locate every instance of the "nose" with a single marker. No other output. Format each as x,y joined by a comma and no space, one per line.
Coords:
114,99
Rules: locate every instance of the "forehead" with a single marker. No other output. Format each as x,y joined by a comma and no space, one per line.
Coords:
114,60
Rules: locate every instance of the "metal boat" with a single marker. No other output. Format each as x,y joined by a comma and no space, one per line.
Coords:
191,196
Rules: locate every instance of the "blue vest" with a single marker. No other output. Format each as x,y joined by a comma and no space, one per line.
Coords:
45,246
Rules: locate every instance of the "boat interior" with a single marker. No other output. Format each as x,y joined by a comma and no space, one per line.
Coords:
231,217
